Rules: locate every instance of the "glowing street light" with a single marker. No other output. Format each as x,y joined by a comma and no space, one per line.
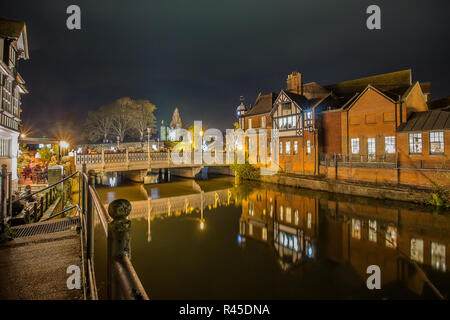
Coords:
202,225
64,144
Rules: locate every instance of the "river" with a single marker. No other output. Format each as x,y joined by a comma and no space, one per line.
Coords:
262,241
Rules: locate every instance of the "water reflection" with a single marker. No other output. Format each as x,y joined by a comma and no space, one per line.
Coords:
316,239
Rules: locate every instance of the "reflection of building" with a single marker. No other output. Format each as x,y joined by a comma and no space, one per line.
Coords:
13,47
352,232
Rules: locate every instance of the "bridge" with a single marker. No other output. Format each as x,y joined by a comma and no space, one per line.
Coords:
138,161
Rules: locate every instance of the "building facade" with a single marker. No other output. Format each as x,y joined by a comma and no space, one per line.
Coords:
13,47
357,130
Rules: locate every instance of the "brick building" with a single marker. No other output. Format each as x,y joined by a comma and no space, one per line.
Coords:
361,126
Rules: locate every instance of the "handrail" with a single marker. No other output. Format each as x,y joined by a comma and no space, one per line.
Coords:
61,212
103,215
130,285
48,187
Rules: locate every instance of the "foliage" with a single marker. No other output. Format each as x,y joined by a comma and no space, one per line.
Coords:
245,171
45,154
440,195
123,118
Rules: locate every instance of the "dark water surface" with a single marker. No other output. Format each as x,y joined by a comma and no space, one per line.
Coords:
272,242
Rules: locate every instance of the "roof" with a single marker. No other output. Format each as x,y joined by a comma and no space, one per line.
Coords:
440,103
263,104
385,81
300,100
426,121
11,28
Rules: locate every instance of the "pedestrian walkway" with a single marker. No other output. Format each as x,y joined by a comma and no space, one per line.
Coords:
34,265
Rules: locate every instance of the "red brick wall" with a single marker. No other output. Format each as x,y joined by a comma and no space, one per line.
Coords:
330,135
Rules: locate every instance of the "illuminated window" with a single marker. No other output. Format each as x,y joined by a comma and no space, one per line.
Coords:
251,209
391,237
437,142
288,147
250,229
249,123
263,122
264,233
281,213
271,210
295,147
415,143
308,115
371,149
438,256
288,214
281,147
309,220
308,146
296,216
372,230
416,250
389,144
356,228
355,145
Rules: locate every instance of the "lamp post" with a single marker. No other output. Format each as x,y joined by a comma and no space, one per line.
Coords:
118,142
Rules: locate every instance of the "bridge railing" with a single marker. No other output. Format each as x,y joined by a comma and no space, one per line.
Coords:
104,158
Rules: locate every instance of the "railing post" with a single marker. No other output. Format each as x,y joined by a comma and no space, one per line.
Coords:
4,177
118,242
10,194
90,224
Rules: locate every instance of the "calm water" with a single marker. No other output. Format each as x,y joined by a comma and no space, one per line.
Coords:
259,241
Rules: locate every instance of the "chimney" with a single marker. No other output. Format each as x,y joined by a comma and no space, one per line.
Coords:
294,82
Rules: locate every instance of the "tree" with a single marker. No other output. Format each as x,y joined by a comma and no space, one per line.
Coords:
121,117
143,117
98,124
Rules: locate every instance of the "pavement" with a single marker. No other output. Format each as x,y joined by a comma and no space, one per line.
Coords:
35,267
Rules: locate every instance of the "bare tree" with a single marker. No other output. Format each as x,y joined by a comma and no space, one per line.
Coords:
143,117
98,124
122,117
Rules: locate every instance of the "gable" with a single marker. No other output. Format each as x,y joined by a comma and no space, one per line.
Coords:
370,97
282,99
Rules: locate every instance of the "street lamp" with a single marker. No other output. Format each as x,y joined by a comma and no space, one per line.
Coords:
118,142
62,145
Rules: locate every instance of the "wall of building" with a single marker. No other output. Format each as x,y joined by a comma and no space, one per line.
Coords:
330,137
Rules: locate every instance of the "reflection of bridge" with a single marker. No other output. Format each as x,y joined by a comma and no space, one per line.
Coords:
128,161
178,204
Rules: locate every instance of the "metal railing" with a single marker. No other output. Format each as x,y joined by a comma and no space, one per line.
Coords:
122,280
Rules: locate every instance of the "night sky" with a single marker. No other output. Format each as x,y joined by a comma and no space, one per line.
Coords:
200,56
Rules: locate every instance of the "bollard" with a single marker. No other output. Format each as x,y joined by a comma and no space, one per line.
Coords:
118,242
35,212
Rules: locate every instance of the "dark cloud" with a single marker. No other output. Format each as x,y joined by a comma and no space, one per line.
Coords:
201,56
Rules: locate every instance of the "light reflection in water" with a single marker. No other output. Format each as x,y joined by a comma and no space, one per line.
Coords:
327,232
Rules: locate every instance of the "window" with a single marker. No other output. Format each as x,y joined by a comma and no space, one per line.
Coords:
373,230
438,256
296,216
288,215
415,143
309,220
281,213
308,115
249,123
250,229
251,209
356,228
295,147
288,147
371,149
264,233
263,122
437,142
5,147
389,144
391,237
416,250
287,122
286,106
308,146
281,147
355,145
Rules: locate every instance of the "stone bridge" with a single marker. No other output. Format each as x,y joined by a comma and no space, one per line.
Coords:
139,162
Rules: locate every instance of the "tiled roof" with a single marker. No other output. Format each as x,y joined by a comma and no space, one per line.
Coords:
426,121
386,81
263,104
440,103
